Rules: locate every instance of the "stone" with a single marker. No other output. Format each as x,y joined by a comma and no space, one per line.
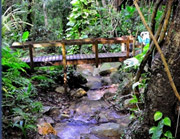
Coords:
46,109
78,93
60,89
106,81
109,95
116,77
88,67
76,79
93,83
80,78
48,119
96,72
64,116
125,87
17,119
54,112
40,121
87,72
95,94
52,136
107,130
88,136
130,62
107,68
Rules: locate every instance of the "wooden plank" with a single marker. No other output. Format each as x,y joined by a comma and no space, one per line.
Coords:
35,59
88,56
38,59
81,61
70,57
57,58
60,58
75,57
103,55
53,58
25,59
45,58
42,58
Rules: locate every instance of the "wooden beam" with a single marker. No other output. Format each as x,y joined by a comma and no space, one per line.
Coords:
31,57
95,45
73,42
64,65
127,46
133,49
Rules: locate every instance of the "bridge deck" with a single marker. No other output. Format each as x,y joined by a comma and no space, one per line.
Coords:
76,59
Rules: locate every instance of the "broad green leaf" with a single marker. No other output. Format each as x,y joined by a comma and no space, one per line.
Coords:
132,116
159,131
152,129
133,100
70,24
25,36
158,115
167,121
145,49
157,134
168,134
30,127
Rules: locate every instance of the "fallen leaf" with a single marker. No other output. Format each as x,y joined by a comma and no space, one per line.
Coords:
46,128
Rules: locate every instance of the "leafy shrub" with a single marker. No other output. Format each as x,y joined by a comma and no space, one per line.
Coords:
19,109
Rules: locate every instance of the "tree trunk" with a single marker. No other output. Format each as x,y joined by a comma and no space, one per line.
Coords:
104,3
29,16
45,14
159,95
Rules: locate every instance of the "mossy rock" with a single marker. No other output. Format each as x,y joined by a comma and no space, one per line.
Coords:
107,68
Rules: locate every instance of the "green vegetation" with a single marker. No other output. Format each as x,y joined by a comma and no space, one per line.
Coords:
157,131
19,108
47,20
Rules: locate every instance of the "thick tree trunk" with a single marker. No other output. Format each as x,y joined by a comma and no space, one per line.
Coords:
159,95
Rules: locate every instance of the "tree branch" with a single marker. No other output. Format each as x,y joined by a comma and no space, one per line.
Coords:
151,48
153,21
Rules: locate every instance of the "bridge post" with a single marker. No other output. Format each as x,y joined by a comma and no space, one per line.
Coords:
31,57
127,47
64,65
95,46
133,50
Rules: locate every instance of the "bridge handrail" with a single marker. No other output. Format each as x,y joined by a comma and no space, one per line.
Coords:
116,40
63,43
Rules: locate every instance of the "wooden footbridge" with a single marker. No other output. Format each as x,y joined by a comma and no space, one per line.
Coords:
77,58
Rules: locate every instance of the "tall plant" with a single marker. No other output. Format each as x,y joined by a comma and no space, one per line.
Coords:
82,16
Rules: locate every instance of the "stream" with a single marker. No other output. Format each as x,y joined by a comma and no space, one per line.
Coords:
90,116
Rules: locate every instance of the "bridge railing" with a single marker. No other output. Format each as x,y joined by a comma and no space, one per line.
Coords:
63,43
